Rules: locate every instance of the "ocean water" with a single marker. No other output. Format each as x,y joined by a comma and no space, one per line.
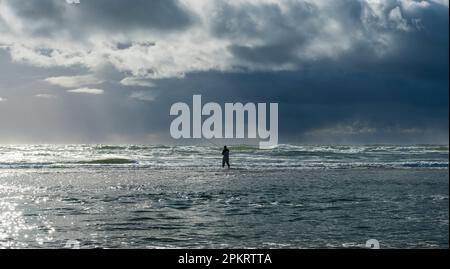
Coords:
138,196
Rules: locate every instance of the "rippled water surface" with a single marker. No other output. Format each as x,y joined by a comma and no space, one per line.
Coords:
135,196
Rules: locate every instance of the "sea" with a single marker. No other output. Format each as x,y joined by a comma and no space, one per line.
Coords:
162,196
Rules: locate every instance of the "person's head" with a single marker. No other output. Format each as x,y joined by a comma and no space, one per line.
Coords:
224,147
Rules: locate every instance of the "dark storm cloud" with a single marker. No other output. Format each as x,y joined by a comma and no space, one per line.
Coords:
282,32
118,14
341,71
416,51
375,109
51,17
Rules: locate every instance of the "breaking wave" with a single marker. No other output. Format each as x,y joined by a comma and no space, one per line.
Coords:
245,157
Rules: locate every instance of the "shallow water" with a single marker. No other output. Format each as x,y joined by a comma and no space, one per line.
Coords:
171,197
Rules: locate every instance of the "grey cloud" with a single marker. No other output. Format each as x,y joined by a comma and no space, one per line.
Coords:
363,30
341,71
126,15
277,54
261,21
124,45
129,44
53,17
226,36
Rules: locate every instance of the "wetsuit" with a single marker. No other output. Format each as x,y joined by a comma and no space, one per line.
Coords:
226,158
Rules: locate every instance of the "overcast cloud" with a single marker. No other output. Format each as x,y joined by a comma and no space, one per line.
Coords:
349,71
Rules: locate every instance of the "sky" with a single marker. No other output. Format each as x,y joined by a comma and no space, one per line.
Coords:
108,71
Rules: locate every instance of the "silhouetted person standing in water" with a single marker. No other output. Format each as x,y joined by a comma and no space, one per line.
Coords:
226,157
